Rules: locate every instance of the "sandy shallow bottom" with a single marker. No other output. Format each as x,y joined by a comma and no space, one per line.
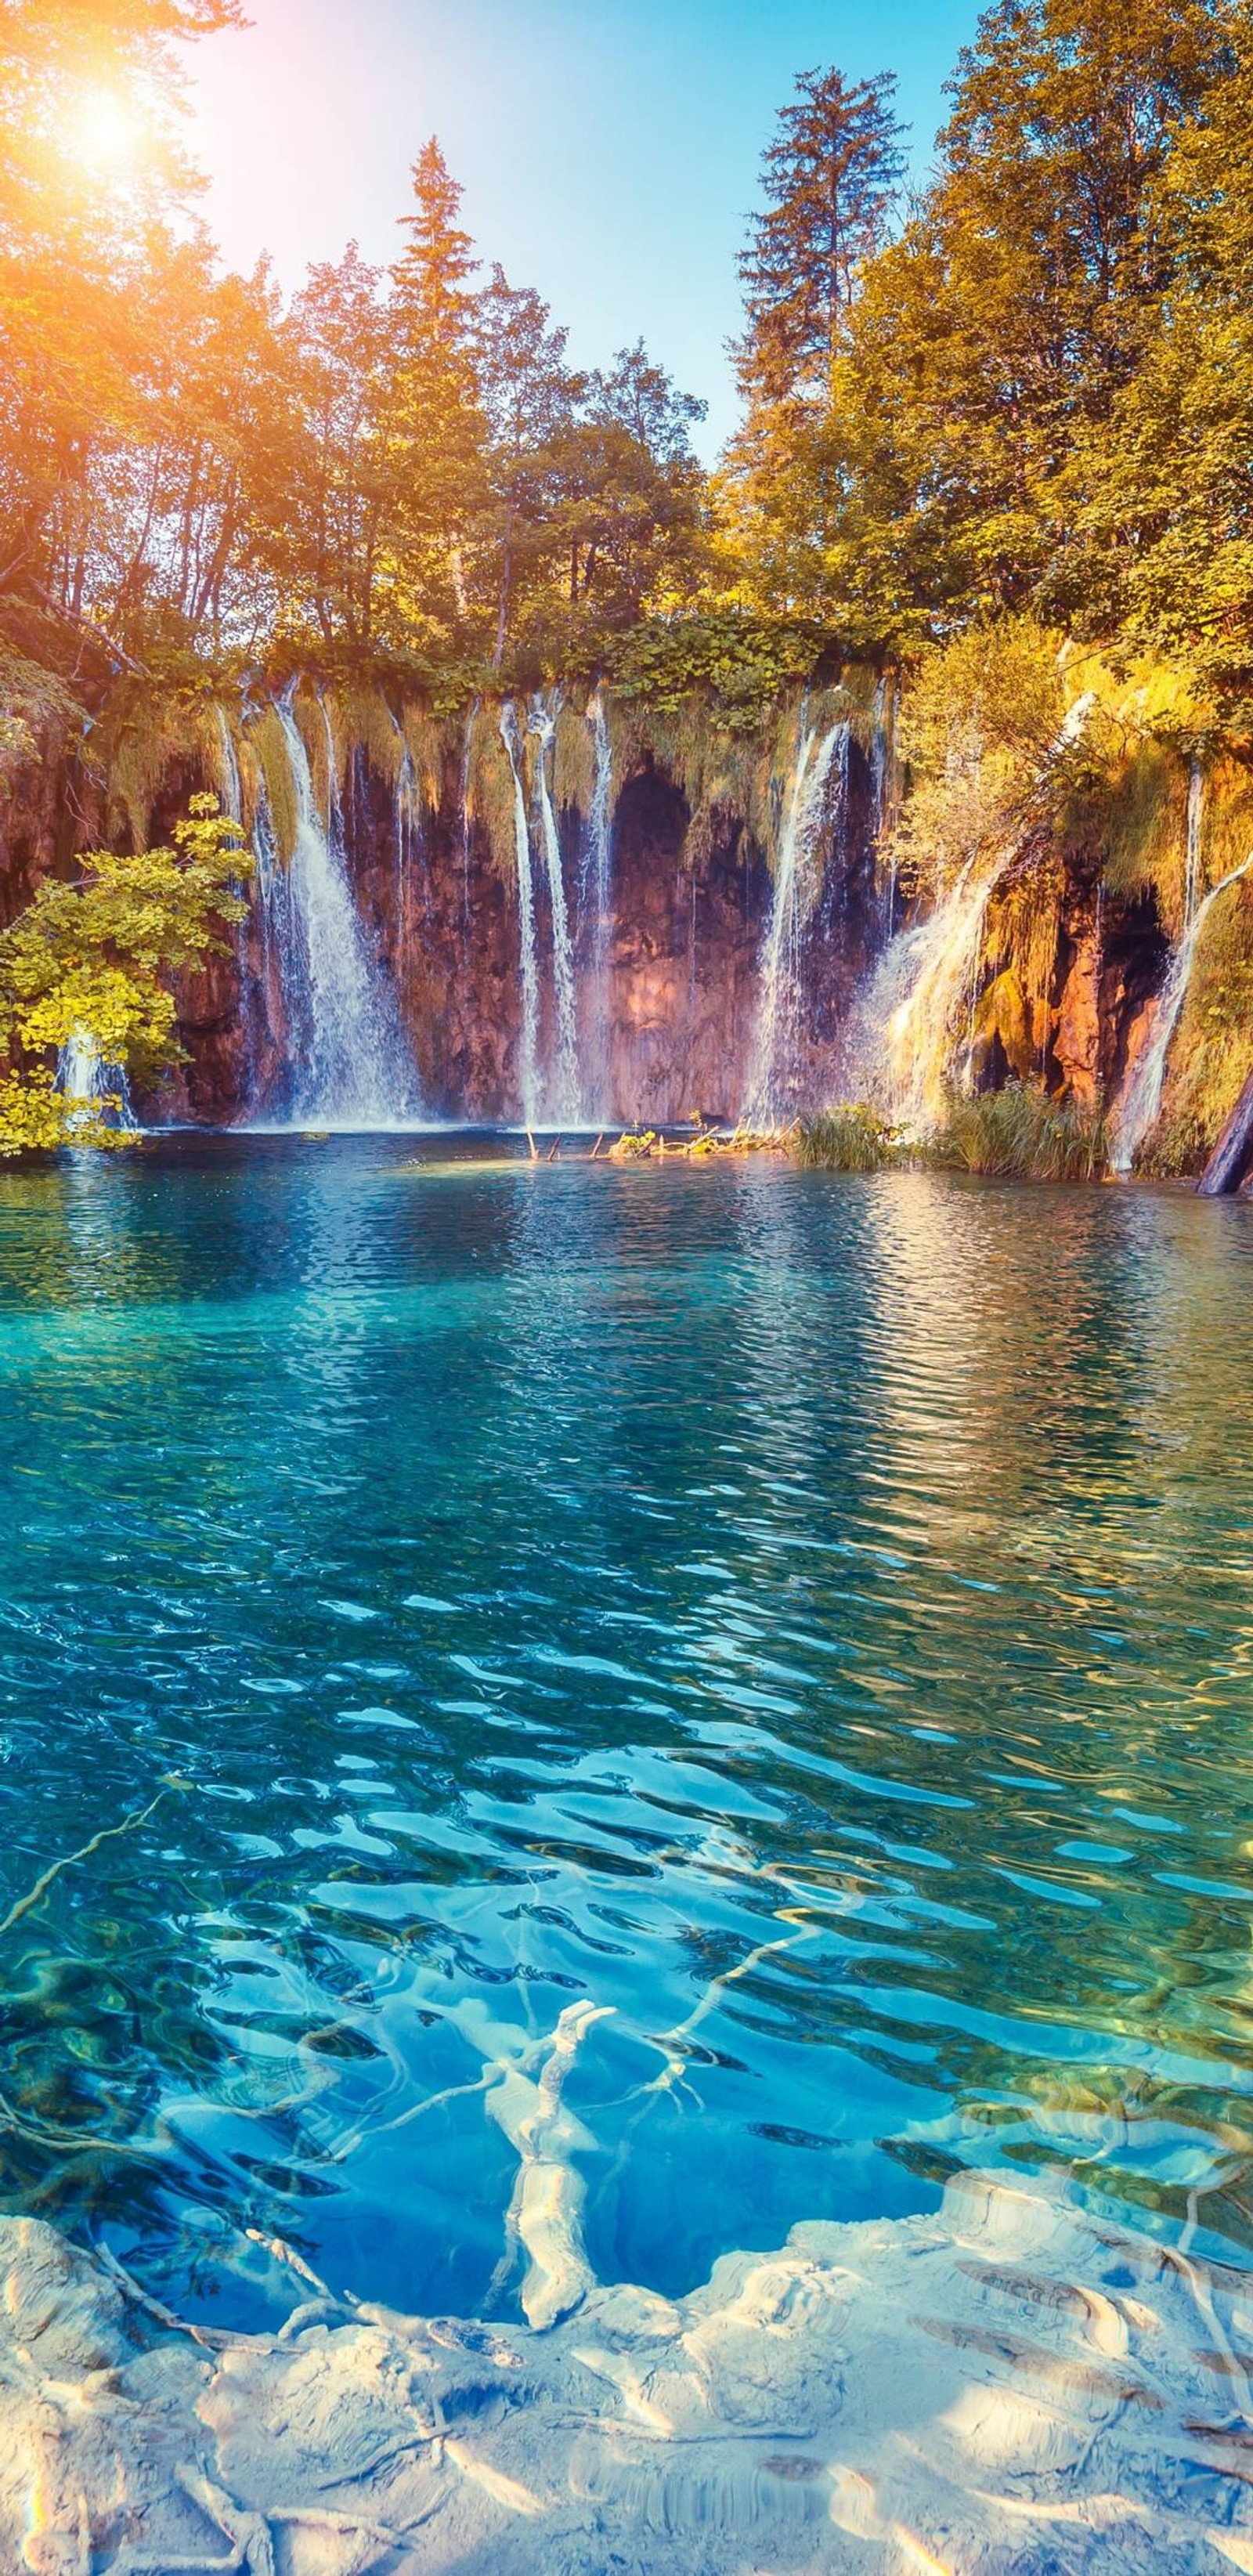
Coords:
1008,2385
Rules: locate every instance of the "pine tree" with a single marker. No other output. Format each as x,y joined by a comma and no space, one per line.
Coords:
435,426
830,178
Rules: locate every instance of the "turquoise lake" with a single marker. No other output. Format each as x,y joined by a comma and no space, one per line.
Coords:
812,1616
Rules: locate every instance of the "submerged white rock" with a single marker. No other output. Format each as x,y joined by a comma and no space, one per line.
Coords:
1009,2385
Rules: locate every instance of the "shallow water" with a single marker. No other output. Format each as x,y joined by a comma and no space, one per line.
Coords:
811,1615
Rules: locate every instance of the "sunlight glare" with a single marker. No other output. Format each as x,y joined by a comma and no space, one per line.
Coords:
106,131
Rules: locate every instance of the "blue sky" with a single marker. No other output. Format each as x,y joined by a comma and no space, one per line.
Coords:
608,148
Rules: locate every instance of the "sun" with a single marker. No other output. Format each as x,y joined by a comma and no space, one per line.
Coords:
106,131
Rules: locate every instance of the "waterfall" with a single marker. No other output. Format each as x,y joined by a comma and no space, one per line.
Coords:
773,1069
925,981
528,961
595,888
565,1104
87,1082
350,1066
1141,1104
80,1067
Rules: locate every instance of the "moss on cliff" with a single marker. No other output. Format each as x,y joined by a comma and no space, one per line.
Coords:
268,746
144,731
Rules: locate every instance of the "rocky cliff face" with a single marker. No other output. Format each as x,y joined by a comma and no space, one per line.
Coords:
719,905
666,973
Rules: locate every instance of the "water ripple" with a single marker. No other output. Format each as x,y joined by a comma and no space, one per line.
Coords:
809,1615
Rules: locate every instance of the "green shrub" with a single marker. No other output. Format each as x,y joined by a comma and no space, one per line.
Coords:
745,663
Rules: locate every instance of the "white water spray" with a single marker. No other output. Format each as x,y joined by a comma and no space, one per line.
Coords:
772,1072
925,981
1142,1100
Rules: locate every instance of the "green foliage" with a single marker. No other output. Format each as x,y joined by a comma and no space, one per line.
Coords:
743,663
1021,1134
829,176
850,1139
93,962
980,726
33,702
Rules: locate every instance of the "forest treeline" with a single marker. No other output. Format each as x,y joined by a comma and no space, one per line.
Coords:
1027,386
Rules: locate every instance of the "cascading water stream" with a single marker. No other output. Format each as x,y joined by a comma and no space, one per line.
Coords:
772,1073
923,980
1142,1100
528,961
350,1065
565,1102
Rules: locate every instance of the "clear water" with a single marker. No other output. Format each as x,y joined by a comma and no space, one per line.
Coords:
811,1615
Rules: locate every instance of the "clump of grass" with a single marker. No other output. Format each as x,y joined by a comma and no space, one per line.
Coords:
1021,1134
1178,1149
849,1139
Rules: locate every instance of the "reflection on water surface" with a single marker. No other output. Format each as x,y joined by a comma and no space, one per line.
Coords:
811,1616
